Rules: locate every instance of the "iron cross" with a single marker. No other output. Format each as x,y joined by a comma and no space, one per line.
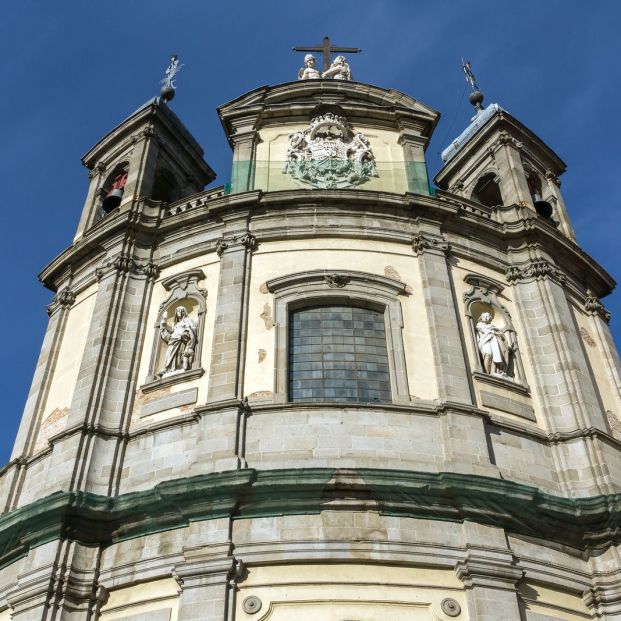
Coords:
327,49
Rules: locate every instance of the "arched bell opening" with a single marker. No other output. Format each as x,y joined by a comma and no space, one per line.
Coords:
543,208
113,188
487,191
165,187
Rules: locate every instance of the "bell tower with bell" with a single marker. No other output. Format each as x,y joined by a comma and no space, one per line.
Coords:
150,155
497,161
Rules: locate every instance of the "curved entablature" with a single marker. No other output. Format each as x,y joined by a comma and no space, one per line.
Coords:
363,102
512,225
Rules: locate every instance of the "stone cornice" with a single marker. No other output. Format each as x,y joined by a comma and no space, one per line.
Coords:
583,523
267,213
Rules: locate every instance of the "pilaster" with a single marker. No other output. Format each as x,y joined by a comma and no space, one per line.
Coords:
511,176
564,386
490,575
58,311
243,140
229,339
449,358
414,159
207,584
554,189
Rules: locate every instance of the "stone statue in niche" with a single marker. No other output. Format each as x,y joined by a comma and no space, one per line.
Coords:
181,341
497,347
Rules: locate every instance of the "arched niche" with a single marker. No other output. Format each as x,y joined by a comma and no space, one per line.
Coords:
487,190
492,335
185,295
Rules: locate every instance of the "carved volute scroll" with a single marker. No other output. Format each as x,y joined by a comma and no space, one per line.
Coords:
493,334
178,335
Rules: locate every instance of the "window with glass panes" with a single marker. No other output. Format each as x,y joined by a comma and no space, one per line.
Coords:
338,353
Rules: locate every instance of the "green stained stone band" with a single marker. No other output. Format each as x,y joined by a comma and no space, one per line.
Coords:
582,523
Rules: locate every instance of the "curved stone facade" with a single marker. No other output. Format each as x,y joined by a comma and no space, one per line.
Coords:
173,475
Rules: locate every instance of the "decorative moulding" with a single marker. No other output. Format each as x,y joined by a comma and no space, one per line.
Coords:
340,279
172,379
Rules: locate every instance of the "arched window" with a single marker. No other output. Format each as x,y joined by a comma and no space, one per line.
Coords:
338,337
338,353
487,191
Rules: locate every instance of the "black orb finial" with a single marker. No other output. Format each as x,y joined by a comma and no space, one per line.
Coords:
476,96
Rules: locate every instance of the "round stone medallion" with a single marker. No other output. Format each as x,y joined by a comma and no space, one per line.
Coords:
251,604
450,607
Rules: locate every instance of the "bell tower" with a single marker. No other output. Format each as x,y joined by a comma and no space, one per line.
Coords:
149,155
497,161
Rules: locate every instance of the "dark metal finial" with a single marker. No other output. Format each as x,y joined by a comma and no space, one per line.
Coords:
476,96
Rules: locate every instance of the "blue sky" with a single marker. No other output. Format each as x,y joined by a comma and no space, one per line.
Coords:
73,69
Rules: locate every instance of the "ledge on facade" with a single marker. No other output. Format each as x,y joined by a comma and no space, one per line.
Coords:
502,382
588,524
171,380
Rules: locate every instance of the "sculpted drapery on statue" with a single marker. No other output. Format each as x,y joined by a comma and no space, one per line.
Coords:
181,341
495,346
339,70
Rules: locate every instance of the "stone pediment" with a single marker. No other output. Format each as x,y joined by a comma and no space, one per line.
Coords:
295,101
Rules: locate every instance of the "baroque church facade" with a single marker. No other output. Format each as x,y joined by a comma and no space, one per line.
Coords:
327,390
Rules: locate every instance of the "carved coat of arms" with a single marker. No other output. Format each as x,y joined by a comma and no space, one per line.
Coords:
329,154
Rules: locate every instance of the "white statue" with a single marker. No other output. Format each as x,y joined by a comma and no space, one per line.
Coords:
496,350
308,72
339,69
181,340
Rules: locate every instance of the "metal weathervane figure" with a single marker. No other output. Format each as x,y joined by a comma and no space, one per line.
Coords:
167,91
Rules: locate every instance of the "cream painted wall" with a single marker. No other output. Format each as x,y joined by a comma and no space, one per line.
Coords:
67,367
272,154
349,591
558,604
291,257
145,599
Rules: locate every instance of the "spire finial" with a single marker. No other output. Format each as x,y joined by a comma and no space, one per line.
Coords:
167,91
476,96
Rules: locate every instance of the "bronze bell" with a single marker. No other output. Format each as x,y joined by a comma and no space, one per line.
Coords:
112,200
543,208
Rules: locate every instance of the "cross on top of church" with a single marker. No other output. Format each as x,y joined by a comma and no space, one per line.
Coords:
327,48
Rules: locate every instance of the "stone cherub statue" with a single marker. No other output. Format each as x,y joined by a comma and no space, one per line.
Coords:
181,340
339,69
308,71
496,347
